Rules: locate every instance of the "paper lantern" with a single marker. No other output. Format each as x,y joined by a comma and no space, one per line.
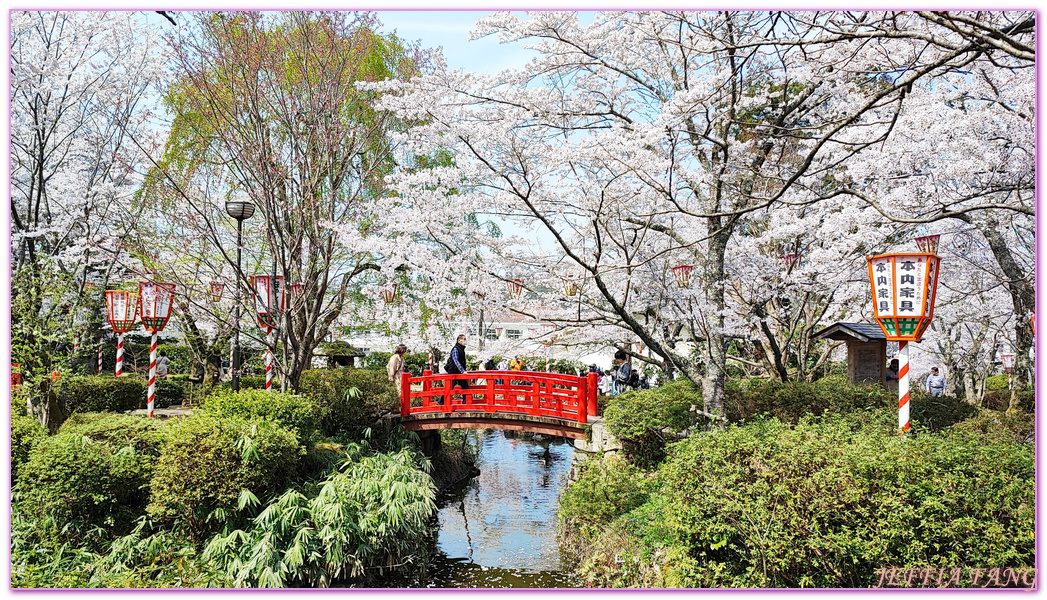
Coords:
121,310
268,299
928,244
683,275
154,301
389,293
515,287
1008,362
904,288
570,287
216,291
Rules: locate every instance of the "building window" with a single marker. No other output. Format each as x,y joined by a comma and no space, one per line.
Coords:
490,333
513,334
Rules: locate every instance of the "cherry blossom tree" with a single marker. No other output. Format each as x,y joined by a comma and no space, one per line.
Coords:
81,90
645,140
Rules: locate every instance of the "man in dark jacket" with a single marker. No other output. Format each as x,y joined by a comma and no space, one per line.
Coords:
456,363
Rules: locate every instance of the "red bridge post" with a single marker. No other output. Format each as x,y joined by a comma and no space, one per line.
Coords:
405,394
590,400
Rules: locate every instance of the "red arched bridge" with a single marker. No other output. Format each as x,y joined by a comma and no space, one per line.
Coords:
547,403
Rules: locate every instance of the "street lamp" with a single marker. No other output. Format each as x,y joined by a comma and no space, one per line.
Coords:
239,210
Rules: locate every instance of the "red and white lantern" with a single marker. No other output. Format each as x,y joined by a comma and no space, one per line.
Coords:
217,287
904,287
122,313
1008,367
154,301
514,286
570,286
296,290
928,244
269,303
389,293
682,273
790,260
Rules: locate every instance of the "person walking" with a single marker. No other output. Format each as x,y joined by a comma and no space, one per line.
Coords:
162,364
456,364
396,367
935,383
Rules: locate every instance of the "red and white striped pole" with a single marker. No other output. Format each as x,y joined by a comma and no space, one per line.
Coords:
119,354
1010,380
903,387
99,359
268,360
152,374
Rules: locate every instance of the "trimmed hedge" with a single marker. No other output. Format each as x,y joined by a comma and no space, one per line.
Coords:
206,461
93,393
824,503
792,400
996,382
79,491
341,413
296,413
645,421
1001,400
141,433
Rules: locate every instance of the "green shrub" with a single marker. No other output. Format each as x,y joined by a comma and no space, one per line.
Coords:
645,421
1001,400
825,503
1012,425
296,413
996,382
374,517
26,433
94,393
792,400
342,411
934,413
206,461
168,392
78,491
143,434
608,488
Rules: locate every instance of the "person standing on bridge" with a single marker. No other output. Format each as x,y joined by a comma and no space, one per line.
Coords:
456,364
396,367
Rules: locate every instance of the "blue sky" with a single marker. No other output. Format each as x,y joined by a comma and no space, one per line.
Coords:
450,29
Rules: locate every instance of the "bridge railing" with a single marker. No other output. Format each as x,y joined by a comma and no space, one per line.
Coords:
523,392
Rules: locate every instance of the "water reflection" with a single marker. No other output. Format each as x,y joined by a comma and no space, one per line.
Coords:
499,530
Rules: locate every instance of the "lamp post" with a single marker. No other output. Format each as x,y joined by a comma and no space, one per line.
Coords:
239,210
904,286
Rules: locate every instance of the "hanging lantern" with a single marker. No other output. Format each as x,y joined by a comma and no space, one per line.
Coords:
296,290
155,301
515,287
1008,362
216,291
683,275
570,287
389,293
121,310
928,244
268,299
791,260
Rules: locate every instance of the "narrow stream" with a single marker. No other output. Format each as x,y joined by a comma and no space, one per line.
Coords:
499,529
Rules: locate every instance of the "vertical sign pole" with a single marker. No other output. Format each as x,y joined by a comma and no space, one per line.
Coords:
99,359
152,374
903,387
119,354
269,359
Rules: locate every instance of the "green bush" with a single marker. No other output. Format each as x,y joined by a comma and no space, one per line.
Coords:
141,433
93,393
341,411
206,461
792,400
1001,400
1012,425
996,382
934,413
168,392
79,491
296,413
609,488
26,433
645,421
824,503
